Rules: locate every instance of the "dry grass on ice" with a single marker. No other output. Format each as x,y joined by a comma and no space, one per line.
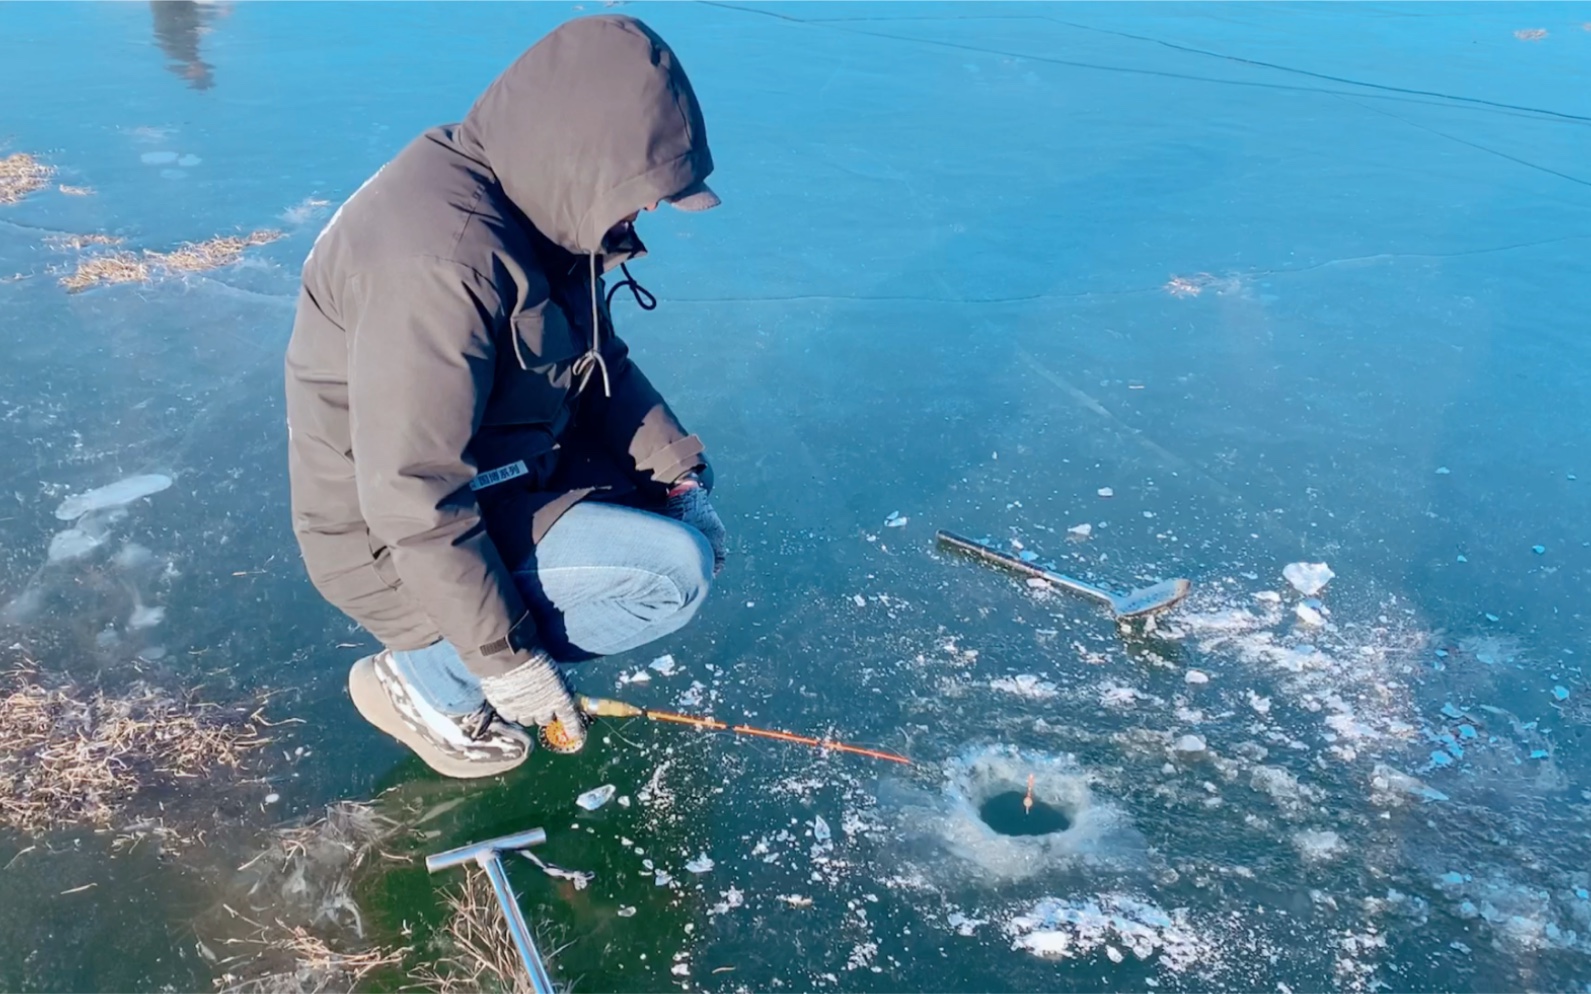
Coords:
305,933
70,758
194,257
481,954
20,175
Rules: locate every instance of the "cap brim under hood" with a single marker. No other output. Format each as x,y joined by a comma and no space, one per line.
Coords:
697,197
597,120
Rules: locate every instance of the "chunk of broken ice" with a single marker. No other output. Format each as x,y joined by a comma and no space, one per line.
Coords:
1196,676
1106,492
628,911
112,495
1189,745
895,520
701,864
1451,711
595,798
1025,685
1539,550
1309,615
1561,693
820,829
1081,531
664,665
1308,578
1442,471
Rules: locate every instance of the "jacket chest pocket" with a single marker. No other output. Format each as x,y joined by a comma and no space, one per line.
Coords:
534,369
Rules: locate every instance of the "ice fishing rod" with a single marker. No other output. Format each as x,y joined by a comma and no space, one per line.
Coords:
606,707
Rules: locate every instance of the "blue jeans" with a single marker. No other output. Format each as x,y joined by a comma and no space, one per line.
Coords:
603,580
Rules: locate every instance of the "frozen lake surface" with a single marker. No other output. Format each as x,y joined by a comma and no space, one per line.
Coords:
1282,299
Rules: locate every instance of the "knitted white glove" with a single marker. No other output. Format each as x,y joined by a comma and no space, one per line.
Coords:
535,694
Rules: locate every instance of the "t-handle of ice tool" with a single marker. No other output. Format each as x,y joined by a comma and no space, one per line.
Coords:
487,855
998,558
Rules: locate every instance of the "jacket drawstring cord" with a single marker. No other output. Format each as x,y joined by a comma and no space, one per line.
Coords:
593,358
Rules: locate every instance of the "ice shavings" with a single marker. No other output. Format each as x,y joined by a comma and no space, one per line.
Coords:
1057,928
1353,674
943,834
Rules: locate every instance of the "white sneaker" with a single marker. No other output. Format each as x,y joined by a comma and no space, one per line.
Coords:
461,746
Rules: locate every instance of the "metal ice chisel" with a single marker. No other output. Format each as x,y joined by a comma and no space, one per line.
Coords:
487,855
1145,600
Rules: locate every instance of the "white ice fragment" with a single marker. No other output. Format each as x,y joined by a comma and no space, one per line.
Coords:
272,798
1038,583
112,495
681,970
639,676
664,665
145,617
1118,697
624,801
859,600
74,543
796,900
628,911
1114,954
1106,492
663,879
1260,704
1081,531
964,925
1308,615
820,829
1196,676
896,521
1308,578
595,798
1318,846
701,864
1189,746
1024,685
1045,945
1268,597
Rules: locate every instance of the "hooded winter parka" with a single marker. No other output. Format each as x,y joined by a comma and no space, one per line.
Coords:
453,380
